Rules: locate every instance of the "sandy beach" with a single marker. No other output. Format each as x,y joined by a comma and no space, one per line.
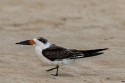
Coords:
79,24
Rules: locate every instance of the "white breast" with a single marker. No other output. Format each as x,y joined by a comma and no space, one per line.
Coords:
40,55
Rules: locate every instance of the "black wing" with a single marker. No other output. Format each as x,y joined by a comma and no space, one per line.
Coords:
56,53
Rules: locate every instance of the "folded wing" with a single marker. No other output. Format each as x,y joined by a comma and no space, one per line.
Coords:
56,53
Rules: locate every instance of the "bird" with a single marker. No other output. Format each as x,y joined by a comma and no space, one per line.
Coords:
54,54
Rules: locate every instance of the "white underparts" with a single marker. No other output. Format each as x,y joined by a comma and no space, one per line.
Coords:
63,61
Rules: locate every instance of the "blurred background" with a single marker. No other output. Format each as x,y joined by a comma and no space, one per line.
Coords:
80,24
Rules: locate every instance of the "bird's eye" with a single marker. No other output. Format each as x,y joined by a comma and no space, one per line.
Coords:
39,39
42,40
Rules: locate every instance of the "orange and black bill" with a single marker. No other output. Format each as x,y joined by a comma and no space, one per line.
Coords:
26,42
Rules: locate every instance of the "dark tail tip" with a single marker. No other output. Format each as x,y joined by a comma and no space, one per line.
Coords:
17,43
100,49
105,49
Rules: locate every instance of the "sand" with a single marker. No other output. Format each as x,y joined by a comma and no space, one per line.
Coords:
80,24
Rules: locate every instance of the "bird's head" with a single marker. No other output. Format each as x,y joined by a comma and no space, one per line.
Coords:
40,41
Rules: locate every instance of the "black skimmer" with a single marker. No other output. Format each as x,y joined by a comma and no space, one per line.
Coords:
53,54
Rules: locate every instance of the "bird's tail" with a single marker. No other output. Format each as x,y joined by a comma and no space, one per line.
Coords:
88,53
